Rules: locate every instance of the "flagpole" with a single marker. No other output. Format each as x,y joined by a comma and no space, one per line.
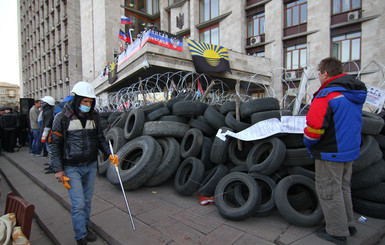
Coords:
129,29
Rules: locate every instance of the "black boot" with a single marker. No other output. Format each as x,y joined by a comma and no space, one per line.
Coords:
91,236
82,241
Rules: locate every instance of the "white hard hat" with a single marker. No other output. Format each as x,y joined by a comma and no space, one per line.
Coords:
49,100
84,89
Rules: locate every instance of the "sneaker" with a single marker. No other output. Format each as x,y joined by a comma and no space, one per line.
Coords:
339,240
91,236
352,230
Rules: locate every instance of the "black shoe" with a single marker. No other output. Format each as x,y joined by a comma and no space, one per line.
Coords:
82,241
352,230
339,240
47,163
91,236
47,168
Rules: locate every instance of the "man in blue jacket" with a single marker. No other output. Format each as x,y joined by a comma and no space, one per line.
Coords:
333,138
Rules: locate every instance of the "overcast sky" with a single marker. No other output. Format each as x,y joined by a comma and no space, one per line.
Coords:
9,52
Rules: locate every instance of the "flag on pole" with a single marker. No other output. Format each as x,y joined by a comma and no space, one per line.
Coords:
129,37
125,20
122,35
209,57
200,89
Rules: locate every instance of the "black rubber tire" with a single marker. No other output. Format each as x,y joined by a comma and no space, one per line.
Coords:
103,163
257,105
120,121
206,129
189,176
212,178
302,171
117,141
155,115
173,118
239,157
369,208
115,135
139,160
224,196
234,124
219,149
134,124
289,212
170,161
371,123
293,140
152,107
113,116
192,143
267,185
214,118
188,108
370,176
373,193
297,157
239,168
165,129
205,153
263,115
370,152
105,115
227,107
266,156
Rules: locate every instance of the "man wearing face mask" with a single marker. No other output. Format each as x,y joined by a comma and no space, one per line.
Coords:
77,137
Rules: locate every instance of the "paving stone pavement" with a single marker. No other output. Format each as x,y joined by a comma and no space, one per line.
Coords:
161,215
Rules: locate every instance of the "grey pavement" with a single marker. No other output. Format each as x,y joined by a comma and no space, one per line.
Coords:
161,215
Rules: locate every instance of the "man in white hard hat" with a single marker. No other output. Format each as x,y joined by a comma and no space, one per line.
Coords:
76,140
47,106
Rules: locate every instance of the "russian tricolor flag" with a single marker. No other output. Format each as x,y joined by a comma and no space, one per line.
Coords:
125,20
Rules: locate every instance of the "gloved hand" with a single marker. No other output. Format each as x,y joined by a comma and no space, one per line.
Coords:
44,135
65,182
114,159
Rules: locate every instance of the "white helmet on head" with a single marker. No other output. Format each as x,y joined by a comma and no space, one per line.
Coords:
49,100
84,89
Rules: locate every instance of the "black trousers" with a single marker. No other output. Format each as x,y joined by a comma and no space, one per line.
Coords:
9,140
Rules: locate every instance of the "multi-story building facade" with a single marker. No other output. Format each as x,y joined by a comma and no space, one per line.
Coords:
9,94
50,47
264,38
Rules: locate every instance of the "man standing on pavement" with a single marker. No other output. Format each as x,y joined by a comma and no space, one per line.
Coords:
333,138
33,115
76,140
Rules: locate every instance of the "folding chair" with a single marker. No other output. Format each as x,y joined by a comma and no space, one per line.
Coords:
22,209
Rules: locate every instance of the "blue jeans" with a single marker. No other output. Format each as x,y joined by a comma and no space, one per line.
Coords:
36,142
82,182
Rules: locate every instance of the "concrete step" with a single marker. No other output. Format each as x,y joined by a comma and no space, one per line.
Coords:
51,215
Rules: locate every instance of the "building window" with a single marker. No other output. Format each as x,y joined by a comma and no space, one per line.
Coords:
295,13
295,57
256,25
210,35
171,2
11,93
208,9
147,6
2,91
347,47
340,6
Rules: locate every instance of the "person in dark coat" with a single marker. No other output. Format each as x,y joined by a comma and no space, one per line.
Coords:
9,124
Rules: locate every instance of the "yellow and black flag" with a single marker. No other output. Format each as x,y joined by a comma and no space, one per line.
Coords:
209,57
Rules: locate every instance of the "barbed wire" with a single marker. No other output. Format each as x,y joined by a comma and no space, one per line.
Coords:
184,86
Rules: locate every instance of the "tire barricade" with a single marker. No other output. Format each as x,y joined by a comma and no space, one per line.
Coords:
164,142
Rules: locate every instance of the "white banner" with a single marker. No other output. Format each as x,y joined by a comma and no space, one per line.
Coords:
269,127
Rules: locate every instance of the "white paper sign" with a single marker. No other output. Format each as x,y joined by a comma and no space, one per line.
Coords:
375,96
269,127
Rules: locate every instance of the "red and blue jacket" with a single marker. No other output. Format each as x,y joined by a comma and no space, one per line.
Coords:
334,120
